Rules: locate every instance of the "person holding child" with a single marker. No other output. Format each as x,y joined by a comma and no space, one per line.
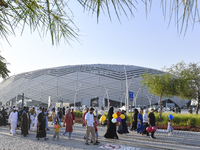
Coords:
170,128
56,131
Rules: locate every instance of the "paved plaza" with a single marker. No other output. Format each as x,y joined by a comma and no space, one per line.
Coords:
183,140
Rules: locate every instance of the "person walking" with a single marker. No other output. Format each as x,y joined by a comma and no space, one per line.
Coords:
123,127
73,117
46,114
95,129
145,123
56,131
13,120
170,128
111,127
89,119
59,116
152,121
53,116
25,123
83,119
36,118
32,116
140,126
134,123
41,132
69,123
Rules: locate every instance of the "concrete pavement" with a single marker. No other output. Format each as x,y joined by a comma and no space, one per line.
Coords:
183,140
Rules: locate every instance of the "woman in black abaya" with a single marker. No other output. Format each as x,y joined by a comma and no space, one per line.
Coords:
123,127
134,123
111,127
41,132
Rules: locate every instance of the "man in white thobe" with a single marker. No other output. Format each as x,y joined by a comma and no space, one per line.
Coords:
13,120
36,118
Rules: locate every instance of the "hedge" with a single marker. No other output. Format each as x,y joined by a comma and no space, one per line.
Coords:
178,119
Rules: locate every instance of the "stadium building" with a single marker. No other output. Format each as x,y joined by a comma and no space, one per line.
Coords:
92,85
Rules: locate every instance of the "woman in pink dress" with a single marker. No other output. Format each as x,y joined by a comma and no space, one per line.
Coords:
68,122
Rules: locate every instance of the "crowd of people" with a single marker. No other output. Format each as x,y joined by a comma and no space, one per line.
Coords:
37,119
141,122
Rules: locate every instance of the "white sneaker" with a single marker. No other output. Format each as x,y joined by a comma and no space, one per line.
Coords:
70,138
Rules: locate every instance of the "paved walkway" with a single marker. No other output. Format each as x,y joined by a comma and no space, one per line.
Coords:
183,140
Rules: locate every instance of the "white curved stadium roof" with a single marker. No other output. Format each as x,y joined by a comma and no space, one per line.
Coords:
79,82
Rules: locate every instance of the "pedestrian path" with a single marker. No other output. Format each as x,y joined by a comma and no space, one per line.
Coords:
132,141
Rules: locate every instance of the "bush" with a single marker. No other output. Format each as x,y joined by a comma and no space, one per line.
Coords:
183,120
78,114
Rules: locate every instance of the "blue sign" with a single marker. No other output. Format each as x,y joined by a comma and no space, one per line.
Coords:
131,96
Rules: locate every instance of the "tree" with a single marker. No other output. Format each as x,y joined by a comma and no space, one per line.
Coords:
159,84
188,81
55,16
3,68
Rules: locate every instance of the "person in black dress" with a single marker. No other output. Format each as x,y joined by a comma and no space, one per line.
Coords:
25,120
134,123
41,132
111,127
123,127
152,121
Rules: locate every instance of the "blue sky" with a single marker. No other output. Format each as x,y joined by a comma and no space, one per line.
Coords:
138,40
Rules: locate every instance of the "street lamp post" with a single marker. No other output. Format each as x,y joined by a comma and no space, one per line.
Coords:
137,95
126,99
122,98
106,93
75,96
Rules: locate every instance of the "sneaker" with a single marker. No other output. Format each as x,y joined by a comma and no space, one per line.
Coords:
91,142
95,144
70,138
87,144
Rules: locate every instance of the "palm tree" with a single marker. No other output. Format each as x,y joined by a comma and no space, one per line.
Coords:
3,68
55,16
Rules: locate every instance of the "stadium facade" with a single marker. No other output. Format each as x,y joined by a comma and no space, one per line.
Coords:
91,85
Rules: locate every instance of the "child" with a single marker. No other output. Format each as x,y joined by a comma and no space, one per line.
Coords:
56,133
170,128
96,130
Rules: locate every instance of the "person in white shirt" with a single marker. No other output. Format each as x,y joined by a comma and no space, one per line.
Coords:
89,118
36,118
145,122
13,120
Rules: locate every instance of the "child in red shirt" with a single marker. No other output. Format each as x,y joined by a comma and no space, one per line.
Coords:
96,130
